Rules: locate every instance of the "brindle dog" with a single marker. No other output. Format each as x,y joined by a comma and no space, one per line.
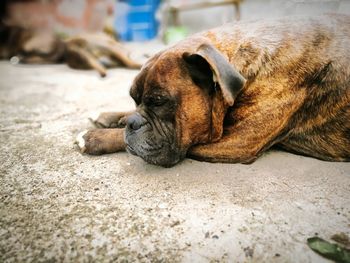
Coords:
229,94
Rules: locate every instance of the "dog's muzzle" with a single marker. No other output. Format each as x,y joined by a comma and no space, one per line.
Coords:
154,145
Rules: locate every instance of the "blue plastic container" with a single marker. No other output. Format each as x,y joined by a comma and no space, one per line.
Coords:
137,22
121,11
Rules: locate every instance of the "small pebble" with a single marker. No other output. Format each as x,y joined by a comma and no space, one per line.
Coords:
14,60
162,206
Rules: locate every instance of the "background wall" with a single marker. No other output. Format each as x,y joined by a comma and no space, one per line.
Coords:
68,16
72,16
251,9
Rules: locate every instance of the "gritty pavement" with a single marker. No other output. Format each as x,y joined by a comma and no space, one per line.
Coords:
57,205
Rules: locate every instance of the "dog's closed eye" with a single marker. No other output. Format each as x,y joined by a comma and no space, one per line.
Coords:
157,100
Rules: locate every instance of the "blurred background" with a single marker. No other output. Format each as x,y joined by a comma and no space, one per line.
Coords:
101,34
143,20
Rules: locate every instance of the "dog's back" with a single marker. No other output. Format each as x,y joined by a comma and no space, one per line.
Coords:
307,57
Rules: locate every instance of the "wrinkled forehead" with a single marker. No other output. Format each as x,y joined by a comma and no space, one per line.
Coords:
159,73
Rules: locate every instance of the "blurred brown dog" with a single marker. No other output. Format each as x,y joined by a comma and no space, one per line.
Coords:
97,51
29,45
229,94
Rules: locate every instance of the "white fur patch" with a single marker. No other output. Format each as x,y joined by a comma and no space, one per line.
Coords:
94,116
80,140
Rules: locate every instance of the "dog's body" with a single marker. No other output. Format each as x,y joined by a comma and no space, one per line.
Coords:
31,46
97,51
229,94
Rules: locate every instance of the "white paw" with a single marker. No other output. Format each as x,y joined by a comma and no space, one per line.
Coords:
80,140
94,116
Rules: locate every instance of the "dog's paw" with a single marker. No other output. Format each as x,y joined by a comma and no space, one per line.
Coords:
101,141
80,141
90,142
109,120
94,117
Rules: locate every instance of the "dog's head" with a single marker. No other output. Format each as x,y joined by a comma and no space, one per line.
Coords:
182,98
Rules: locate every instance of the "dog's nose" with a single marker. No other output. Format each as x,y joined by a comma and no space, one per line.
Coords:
134,121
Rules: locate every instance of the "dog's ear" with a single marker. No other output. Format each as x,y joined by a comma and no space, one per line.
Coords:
208,68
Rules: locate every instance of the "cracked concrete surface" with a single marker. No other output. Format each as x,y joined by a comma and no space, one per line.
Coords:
60,206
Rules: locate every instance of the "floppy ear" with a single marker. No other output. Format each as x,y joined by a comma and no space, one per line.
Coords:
208,67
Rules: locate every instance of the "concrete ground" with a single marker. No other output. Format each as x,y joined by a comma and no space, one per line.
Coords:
57,205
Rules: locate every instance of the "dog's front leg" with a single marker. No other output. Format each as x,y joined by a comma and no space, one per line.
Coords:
254,128
223,151
110,119
244,142
100,141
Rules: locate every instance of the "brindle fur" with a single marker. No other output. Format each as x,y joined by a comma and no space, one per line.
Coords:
296,94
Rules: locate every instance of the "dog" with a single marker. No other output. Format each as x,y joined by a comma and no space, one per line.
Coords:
97,51
231,93
30,46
